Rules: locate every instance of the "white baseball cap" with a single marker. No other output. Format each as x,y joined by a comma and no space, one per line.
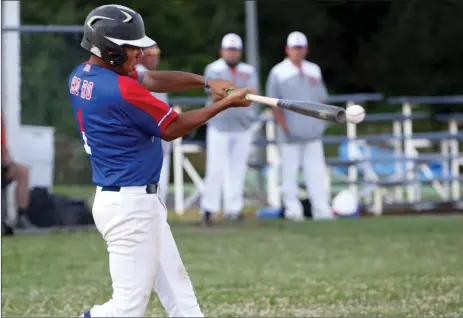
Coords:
232,41
296,38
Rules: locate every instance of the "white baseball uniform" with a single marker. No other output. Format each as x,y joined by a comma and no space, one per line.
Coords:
229,142
166,148
302,146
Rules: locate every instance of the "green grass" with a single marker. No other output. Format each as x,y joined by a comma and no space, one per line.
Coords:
394,266
85,191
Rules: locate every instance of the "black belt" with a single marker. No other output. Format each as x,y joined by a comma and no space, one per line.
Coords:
150,188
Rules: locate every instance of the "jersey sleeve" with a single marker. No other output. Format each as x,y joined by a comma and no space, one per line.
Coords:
148,113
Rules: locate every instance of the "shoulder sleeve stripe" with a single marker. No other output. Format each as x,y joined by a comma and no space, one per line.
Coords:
138,96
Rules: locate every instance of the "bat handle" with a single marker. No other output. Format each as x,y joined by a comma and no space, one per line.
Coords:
231,91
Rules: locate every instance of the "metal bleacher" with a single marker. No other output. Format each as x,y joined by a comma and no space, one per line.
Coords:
411,168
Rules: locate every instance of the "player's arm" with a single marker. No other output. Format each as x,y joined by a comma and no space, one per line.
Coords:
176,81
190,120
156,118
273,90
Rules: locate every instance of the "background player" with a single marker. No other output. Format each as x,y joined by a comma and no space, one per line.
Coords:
300,136
150,61
228,136
121,125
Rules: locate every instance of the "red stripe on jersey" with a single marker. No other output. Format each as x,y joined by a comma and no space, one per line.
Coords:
79,118
137,95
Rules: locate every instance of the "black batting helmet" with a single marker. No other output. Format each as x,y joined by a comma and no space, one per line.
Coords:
108,28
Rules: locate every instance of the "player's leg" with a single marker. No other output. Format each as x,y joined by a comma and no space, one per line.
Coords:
316,180
20,174
290,163
130,224
240,148
164,177
173,285
216,153
7,229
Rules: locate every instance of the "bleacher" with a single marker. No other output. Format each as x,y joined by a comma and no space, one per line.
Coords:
368,164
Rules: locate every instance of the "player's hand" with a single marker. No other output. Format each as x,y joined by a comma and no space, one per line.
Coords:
237,98
219,86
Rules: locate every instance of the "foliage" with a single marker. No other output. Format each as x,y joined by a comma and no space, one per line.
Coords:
389,47
395,48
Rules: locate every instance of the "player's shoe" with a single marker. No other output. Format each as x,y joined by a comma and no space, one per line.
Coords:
207,218
7,230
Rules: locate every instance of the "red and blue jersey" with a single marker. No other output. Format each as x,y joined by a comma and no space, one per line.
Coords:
121,124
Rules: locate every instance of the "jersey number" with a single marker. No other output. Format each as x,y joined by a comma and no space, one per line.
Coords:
85,91
86,146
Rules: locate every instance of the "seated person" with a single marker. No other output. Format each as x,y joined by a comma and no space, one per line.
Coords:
14,171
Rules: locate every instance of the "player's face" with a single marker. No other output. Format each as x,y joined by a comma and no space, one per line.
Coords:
231,56
151,57
296,53
134,54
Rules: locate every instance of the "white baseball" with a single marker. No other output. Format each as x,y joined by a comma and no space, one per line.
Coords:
355,114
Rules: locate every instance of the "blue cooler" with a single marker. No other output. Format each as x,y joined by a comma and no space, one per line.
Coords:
268,212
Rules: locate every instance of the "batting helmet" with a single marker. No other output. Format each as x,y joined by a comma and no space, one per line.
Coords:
110,27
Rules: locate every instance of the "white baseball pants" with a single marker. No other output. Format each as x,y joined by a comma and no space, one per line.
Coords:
226,166
142,256
311,157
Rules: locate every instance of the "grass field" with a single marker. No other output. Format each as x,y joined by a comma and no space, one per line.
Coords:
388,266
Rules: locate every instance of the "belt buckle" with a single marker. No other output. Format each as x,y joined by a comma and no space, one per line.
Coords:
152,188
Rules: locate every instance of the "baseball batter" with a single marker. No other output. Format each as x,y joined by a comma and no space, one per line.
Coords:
228,136
122,125
150,61
300,136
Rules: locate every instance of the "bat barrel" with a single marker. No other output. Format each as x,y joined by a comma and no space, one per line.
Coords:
326,112
340,116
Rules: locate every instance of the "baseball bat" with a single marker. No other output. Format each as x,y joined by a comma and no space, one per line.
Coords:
322,111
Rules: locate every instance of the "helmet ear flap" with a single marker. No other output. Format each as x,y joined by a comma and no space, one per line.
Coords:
113,53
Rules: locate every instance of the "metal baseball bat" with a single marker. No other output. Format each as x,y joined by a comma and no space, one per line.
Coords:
322,111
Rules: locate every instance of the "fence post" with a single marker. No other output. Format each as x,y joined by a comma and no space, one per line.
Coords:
409,151
455,167
352,170
178,172
273,162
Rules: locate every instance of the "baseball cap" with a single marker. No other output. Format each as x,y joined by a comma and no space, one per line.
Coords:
296,38
232,41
